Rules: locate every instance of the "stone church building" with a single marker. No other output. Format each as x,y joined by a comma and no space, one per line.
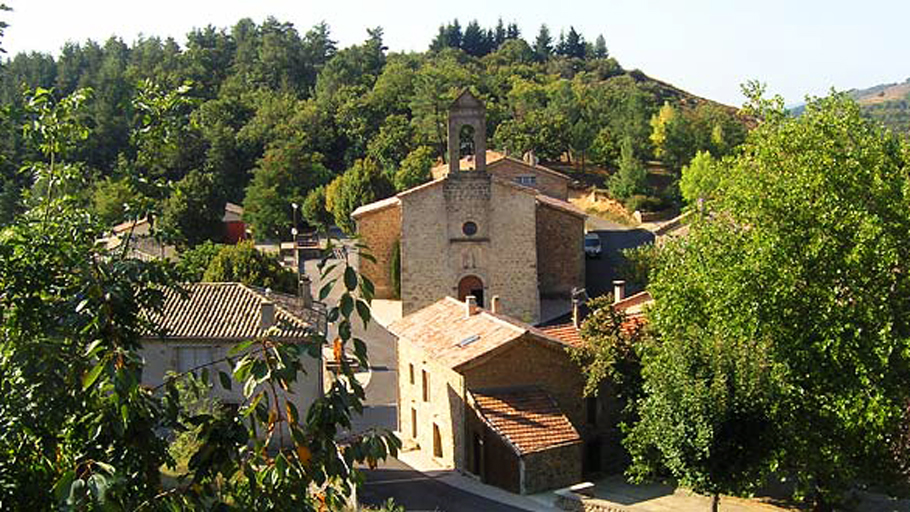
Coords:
503,229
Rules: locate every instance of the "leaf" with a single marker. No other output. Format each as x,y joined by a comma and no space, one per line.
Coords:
347,305
368,257
225,380
326,289
350,279
61,489
291,410
364,311
304,455
89,379
241,347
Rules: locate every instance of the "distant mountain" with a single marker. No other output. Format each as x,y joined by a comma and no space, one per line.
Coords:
887,103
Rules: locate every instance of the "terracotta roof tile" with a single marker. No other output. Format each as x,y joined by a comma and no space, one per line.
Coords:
223,311
527,418
566,333
443,327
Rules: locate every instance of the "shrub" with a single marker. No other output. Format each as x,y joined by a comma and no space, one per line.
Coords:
644,203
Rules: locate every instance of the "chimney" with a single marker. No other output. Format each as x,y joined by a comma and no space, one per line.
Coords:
304,294
576,313
267,315
530,158
470,303
619,290
496,305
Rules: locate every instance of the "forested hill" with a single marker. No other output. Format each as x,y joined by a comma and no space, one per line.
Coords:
265,116
887,103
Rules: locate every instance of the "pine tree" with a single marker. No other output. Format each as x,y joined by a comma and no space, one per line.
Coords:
543,45
600,47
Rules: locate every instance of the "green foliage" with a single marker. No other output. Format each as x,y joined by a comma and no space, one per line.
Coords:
245,264
314,209
79,432
638,263
284,176
360,185
678,134
415,169
609,352
195,260
781,318
110,200
193,212
701,178
631,179
644,203
395,269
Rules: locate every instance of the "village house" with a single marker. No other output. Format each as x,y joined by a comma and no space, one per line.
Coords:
483,393
478,230
202,325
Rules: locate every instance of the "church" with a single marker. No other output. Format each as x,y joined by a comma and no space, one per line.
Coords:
499,229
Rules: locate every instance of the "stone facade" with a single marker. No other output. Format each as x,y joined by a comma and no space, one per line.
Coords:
546,181
501,253
381,229
474,231
445,407
551,469
531,363
560,255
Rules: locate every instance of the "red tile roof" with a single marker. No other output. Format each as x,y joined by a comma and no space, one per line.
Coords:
224,311
567,333
527,418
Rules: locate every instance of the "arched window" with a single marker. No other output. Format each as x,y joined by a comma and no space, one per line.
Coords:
466,141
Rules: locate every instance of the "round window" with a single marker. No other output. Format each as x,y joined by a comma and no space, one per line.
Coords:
469,228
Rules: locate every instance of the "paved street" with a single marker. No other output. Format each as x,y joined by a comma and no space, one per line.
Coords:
382,388
600,272
416,492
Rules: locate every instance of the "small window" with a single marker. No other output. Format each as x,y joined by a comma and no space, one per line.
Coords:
413,423
411,372
426,386
528,181
469,228
591,407
191,358
437,441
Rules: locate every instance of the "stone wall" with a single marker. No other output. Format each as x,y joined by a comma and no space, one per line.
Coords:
379,231
551,469
560,252
529,362
436,253
548,183
513,265
161,357
445,406
425,278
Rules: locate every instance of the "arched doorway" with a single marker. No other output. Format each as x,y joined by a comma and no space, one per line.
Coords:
471,285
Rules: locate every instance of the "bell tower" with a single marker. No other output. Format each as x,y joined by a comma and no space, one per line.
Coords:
467,132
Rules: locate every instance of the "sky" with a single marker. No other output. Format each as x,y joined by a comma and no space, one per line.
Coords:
706,47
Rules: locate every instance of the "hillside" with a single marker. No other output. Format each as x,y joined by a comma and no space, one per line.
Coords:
886,103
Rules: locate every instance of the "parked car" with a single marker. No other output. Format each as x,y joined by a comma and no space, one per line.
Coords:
593,248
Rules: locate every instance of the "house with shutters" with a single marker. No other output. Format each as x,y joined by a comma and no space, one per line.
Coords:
204,322
480,229
489,395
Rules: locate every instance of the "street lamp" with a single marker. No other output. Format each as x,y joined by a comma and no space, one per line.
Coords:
295,206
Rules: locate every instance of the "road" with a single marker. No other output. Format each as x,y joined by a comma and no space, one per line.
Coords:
600,272
382,390
416,492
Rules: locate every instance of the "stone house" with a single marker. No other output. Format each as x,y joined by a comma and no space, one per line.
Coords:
476,231
526,172
201,326
487,394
